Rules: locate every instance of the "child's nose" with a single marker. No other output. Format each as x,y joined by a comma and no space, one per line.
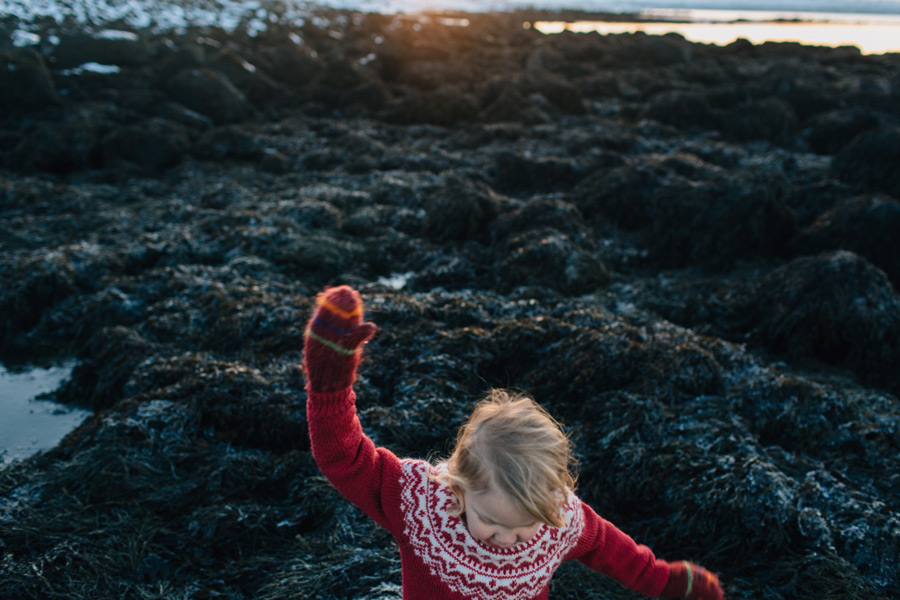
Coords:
504,538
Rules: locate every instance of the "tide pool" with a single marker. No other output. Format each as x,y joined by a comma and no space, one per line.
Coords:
29,422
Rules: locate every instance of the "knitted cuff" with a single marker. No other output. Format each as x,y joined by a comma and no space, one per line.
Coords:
680,580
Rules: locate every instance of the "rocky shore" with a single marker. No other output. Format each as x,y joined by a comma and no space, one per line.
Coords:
688,253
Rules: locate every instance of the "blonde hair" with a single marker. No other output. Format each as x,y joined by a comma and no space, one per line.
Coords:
511,441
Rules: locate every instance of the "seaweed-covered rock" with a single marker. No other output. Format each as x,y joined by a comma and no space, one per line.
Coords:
539,214
210,93
722,220
247,77
35,283
504,101
829,132
770,119
625,193
461,210
59,146
516,173
679,108
547,258
25,82
445,106
105,47
156,144
866,225
111,357
801,84
227,142
835,308
869,160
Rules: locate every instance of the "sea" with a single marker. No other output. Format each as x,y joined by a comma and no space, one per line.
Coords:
871,25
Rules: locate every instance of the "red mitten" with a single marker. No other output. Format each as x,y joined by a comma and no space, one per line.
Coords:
332,347
692,582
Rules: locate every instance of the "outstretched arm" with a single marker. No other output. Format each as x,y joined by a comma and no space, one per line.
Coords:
605,548
366,475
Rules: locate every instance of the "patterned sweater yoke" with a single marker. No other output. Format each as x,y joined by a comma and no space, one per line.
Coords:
440,559
467,565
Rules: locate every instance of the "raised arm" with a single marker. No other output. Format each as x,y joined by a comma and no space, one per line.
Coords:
366,475
605,548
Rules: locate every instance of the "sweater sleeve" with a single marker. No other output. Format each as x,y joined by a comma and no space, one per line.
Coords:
367,476
607,549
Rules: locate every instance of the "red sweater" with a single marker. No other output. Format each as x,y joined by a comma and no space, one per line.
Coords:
439,557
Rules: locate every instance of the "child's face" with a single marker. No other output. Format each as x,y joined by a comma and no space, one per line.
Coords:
494,519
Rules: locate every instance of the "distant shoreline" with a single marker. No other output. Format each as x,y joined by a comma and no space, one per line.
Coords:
871,33
165,14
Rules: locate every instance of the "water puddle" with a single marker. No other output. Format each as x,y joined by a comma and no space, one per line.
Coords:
29,422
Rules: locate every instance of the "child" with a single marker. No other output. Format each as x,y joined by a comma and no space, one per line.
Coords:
495,520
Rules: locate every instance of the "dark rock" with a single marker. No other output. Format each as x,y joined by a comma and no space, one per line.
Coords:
178,113
25,82
112,356
373,96
341,74
37,283
296,66
869,161
506,103
802,85
542,213
425,75
209,93
379,218
600,359
624,192
178,57
273,161
679,108
9,141
259,88
835,308
721,221
461,211
829,132
547,258
60,146
444,106
317,256
650,50
154,145
514,172
316,215
771,119
558,91
866,225
105,47
227,142
448,271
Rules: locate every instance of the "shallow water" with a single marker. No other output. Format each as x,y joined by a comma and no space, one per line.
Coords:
871,34
873,27
28,422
